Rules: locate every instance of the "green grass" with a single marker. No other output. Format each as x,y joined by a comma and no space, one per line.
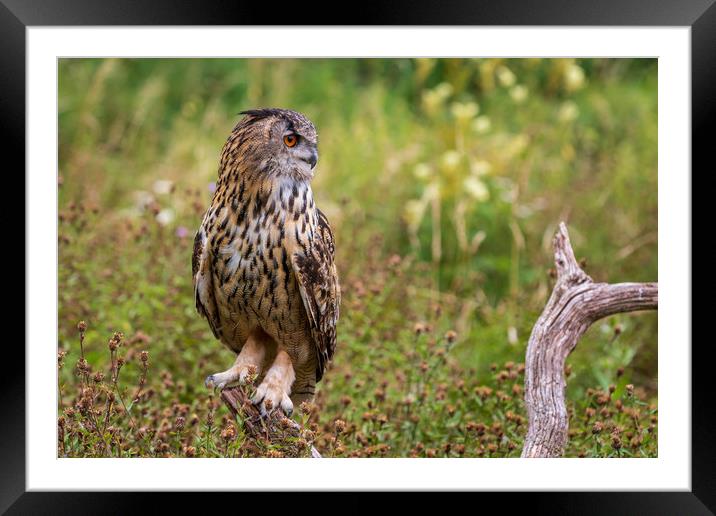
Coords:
443,180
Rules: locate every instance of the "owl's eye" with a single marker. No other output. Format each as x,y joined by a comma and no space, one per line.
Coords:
290,140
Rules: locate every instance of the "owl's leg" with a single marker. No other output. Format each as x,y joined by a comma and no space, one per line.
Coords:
251,356
275,390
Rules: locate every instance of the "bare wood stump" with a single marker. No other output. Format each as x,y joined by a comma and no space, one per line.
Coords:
256,427
575,304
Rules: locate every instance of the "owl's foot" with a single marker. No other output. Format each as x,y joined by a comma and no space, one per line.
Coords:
275,390
245,367
237,375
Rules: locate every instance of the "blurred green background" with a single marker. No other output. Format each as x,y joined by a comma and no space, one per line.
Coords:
464,167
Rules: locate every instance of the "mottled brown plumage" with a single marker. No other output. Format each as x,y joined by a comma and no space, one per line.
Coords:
263,261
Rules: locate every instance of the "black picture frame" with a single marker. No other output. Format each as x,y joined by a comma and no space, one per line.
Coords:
699,15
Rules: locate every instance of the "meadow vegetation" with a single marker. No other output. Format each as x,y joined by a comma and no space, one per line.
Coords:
444,181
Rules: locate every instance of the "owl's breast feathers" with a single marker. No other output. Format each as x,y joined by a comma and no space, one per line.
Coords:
268,260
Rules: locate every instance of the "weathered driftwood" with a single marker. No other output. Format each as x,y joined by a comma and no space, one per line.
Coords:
255,426
576,302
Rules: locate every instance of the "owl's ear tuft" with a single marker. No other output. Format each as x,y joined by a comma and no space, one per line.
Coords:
258,114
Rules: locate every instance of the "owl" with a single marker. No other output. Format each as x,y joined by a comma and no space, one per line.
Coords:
263,264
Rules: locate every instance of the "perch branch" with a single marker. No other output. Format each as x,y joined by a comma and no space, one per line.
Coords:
240,405
575,304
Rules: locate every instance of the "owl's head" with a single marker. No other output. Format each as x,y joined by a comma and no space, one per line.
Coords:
276,142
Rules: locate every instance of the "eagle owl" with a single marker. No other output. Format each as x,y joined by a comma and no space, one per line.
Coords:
263,263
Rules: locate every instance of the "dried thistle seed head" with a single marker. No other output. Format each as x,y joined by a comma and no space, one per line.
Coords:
616,442
82,326
98,377
144,356
598,427
228,433
307,408
450,336
340,426
179,423
630,390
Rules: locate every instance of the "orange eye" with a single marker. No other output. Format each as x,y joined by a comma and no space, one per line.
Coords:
290,140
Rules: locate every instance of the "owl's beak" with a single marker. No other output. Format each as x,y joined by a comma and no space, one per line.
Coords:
314,158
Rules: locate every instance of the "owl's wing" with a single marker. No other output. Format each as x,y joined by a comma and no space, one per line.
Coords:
201,267
317,277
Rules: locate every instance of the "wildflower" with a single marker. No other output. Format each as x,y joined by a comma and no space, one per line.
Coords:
450,160
573,77
630,390
598,427
82,326
165,216
182,232
419,328
616,442
414,212
480,167
144,356
340,426
433,99
519,93
142,200
422,171
443,90
476,189
505,76
162,186
568,112
602,399
179,423
228,433
481,124
98,377
464,111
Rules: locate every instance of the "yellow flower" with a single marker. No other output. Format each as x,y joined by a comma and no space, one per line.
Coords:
480,167
505,76
422,171
568,111
476,189
450,160
481,124
464,111
443,90
519,93
414,213
574,77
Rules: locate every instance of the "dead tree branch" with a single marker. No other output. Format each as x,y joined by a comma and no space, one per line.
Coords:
575,304
257,427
